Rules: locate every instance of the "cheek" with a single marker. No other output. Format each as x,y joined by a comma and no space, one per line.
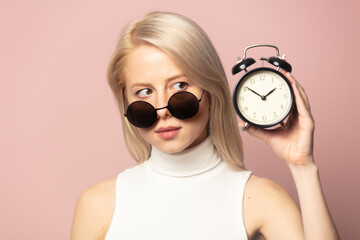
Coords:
202,118
205,108
145,133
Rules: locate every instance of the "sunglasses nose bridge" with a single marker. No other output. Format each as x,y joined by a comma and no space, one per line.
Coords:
161,107
163,112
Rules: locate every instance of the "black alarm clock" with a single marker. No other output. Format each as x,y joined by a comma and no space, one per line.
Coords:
263,97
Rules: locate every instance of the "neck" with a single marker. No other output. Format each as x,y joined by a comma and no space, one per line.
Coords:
194,161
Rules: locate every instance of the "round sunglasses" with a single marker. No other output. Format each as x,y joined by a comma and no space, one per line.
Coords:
182,105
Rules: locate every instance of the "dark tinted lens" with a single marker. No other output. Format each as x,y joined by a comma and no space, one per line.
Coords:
183,105
141,114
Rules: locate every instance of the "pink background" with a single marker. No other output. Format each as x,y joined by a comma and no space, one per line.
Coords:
60,130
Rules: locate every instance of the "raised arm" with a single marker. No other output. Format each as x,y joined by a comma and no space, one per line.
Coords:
295,147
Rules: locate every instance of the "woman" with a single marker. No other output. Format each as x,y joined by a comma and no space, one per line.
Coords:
180,126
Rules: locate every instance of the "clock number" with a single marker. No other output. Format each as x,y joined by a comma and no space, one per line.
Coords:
254,114
241,98
264,117
281,106
275,115
246,108
262,77
252,81
281,85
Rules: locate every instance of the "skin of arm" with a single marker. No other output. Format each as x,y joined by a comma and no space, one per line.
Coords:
295,147
270,212
318,223
93,212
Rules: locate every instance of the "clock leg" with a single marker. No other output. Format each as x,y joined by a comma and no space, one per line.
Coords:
283,125
245,126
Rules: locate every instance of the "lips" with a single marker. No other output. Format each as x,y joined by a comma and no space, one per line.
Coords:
168,132
166,129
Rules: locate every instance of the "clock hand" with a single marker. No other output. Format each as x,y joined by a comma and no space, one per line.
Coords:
270,92
255,93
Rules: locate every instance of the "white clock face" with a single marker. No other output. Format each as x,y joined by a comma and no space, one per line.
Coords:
263,97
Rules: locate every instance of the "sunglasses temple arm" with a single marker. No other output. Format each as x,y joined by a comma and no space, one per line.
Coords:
201,96
123,90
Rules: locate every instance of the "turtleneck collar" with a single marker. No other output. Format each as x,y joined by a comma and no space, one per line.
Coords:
190,162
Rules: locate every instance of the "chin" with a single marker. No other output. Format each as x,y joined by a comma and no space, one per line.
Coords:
178,145
171,148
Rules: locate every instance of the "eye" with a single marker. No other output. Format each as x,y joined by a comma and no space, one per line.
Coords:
143,93
180,86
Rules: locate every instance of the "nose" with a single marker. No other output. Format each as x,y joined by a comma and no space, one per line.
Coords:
163,111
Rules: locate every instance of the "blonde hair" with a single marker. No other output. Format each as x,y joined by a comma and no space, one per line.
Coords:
192,51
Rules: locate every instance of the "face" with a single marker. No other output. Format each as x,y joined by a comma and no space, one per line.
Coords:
151,76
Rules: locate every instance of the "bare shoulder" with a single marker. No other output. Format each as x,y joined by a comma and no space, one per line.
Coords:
93,211
280,215
260,187
101,191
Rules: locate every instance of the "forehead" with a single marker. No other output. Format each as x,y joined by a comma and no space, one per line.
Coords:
149,64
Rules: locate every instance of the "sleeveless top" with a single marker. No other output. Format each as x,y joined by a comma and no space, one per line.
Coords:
189,195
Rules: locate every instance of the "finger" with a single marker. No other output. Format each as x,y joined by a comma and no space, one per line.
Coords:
292,80
297,85
302,103
293,117
301,99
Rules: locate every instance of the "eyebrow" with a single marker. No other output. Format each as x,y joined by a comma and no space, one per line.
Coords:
180,75
167,80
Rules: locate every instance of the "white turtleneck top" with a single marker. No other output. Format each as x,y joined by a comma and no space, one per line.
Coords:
189,195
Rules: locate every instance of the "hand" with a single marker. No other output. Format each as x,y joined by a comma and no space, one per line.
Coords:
270,92
262,97
294,145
